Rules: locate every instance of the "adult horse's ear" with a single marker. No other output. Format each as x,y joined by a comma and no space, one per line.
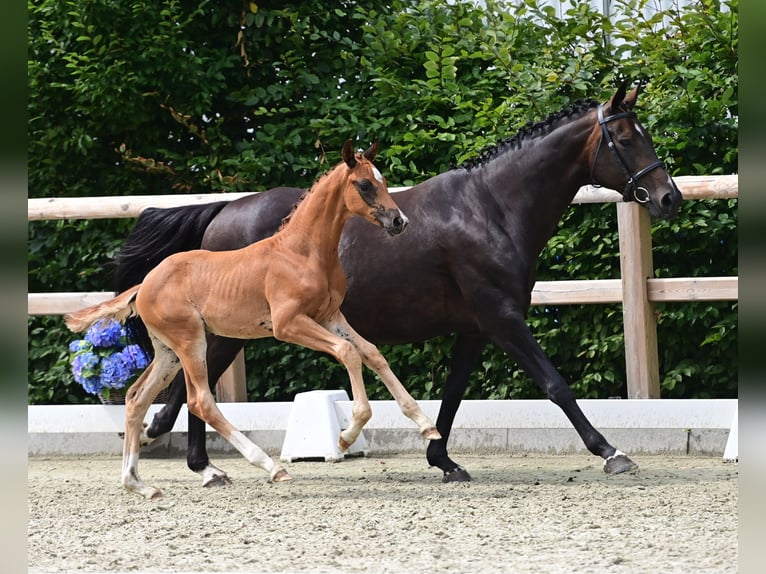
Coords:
372,151
616,102
630,99
348,154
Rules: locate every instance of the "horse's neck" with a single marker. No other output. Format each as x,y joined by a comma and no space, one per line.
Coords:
536,182
317,222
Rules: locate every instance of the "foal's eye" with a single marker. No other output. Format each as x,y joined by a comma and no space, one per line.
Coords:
366,185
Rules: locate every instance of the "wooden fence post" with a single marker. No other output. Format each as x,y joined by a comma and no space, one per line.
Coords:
640,324
231,387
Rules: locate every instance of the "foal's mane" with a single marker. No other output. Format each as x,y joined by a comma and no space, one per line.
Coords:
529,131
305,194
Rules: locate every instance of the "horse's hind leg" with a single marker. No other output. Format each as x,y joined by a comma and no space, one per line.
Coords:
155,378
377,362
221,351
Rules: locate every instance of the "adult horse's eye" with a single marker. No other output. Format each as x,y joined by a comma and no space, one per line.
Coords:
625,142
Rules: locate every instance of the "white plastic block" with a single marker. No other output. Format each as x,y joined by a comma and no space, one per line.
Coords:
314,427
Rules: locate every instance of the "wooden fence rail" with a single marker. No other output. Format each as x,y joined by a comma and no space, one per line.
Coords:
637,290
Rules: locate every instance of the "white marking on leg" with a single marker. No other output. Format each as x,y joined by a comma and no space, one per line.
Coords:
615,455
253,453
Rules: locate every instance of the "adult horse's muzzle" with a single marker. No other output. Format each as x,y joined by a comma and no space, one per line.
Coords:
660,205
392,220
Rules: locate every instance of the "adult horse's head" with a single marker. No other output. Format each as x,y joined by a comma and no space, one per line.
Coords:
367,192
623,158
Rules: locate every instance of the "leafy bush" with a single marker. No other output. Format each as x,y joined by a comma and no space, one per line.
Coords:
178,96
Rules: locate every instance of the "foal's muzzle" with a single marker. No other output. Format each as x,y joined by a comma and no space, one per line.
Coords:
393,221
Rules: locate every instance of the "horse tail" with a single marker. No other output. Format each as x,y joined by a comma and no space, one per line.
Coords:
158,233
119,308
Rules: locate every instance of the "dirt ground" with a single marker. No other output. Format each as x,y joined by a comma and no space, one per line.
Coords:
521,514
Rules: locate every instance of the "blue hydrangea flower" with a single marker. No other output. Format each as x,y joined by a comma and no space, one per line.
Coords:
104,333
135,357
114,371
103,359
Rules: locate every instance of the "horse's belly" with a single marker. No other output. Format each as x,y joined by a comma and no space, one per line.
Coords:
242,326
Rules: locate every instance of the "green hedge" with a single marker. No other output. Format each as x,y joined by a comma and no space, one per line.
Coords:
174,96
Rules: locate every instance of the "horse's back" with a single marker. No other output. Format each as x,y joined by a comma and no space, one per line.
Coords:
250,219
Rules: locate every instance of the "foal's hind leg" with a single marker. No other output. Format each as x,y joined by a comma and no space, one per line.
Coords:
156,377
201,403
377,362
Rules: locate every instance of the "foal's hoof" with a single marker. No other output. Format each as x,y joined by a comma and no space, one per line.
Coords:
149,492
458,474
431,434
619,463
281,476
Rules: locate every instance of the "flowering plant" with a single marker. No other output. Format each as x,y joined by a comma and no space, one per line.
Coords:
104,359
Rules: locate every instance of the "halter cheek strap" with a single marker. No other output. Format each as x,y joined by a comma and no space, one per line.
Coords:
632,190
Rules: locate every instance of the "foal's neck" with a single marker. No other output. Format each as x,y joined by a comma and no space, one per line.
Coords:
318,220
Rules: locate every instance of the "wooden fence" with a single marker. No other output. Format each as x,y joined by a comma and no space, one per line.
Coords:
637,290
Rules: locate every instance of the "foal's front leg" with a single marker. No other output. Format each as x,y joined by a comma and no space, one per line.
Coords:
377,362
305,331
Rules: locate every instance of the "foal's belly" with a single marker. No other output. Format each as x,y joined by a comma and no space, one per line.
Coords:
240,327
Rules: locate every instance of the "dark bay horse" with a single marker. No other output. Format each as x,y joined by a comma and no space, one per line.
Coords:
288,286
466,265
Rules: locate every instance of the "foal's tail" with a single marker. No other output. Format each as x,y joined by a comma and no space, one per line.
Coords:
120,309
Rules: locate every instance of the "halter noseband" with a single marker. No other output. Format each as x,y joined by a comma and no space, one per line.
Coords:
632,188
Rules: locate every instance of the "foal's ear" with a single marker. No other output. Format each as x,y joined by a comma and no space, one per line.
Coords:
348,154
372,151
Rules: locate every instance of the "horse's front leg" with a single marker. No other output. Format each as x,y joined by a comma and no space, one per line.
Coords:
465,354
512,334
377,362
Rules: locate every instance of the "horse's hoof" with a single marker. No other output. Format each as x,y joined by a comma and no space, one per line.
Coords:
619,463
459,474
217,480
281,476
431,434
343,445
149,492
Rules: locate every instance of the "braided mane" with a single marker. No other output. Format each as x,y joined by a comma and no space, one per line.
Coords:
530,130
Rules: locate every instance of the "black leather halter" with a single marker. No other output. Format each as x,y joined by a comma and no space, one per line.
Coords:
632,190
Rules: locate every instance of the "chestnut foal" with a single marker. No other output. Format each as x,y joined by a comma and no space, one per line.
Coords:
289,286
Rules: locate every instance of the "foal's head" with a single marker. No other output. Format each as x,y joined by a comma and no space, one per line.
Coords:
366,191
623,157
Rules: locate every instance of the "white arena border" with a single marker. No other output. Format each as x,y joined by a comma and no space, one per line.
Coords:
651,426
